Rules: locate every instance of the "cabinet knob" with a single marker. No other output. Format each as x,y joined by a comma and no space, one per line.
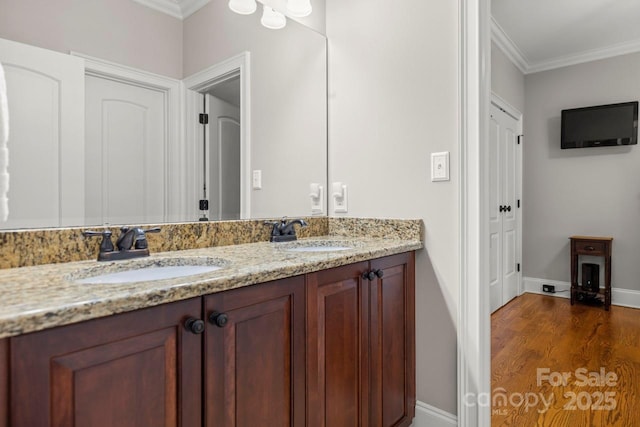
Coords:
508,208
379,273
194,325
368,275
218,319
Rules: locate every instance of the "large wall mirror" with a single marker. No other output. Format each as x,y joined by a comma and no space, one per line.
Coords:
121,114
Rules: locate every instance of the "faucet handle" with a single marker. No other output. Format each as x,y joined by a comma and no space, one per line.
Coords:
106,245
141,238
152,230
277,225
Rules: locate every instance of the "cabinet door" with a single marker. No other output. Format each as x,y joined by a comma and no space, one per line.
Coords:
135,369
255,356
393,341
337,346
4,382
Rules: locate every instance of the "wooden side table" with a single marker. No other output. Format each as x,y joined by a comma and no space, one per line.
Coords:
594,246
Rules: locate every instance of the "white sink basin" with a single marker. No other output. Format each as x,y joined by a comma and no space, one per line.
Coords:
147,269
147,274
318,249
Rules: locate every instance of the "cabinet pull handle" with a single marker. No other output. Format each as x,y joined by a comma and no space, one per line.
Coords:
508,208
218,319
590,248
379,273
194,325
502,208
369,275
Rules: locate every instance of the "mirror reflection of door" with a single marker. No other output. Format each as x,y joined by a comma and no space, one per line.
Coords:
125,153
223,149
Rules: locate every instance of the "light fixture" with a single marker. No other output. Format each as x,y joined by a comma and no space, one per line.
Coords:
243,7
273,19
299,8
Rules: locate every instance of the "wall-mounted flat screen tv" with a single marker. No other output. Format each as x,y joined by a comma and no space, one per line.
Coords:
600,126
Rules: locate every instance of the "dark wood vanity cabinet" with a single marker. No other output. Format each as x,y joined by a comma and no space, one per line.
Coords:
141,368
254,356
361,344
332,348
4,382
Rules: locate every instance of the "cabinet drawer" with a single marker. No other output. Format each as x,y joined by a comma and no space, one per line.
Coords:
589,247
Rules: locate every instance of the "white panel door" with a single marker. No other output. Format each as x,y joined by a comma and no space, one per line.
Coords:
223,159
495,217
228,168
125,150
45,91
503,216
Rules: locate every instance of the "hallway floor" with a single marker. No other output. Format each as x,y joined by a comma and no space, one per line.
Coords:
556,365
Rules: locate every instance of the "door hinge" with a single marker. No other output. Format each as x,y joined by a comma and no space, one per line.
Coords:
518,202
518,267
204,119
520,139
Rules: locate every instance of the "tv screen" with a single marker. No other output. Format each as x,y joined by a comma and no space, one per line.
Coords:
600,126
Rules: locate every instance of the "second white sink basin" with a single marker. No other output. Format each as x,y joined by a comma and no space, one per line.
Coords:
147,274
315,246
318,249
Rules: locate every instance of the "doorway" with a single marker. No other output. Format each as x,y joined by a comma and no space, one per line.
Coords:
217,117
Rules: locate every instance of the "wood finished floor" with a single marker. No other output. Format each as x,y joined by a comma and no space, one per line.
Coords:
537,331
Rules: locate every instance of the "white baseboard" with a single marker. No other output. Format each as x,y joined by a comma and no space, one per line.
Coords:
430,416
621,297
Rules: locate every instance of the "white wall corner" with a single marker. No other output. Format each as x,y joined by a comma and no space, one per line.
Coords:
621,297
430,416
510,49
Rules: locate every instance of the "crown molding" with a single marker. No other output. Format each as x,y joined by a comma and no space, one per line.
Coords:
586,56
180,10
510,49
515,55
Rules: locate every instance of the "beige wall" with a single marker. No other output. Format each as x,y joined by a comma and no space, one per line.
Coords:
393,90
121,31
589,191
507,81
288,100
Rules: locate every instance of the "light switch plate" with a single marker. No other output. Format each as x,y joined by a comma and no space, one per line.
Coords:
440,166
257,180
340,194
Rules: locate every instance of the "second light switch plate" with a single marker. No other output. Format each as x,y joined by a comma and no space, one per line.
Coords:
440,166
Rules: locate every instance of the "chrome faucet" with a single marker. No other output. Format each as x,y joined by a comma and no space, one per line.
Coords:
283,230
132,243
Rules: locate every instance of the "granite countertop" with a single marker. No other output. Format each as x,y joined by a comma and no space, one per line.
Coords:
45,296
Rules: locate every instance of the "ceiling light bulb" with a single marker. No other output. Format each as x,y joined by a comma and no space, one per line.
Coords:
243,7
273,19
299,8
